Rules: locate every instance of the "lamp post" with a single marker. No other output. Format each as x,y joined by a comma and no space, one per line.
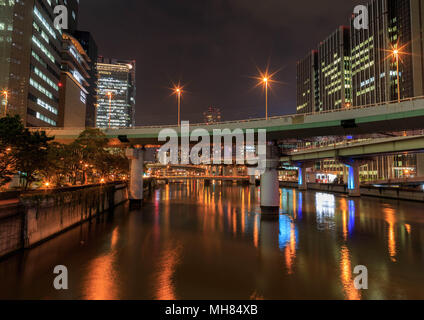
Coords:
109,94
396,55
178,91
265,80
6,95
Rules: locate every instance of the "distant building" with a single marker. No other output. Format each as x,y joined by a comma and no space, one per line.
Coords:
117,78
334,71
374,73
308,83
212,115
74,83
89,45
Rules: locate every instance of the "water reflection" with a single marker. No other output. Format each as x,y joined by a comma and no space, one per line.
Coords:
325,207
101,279
191,241
390,218
288,240
346,275
165,277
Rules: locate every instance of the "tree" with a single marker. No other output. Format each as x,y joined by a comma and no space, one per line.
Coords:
10,129
32,155
7,164
28,149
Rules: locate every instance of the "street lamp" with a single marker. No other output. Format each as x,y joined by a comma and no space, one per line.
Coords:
265,80
396,52
178,91
396,55
109,94
6,95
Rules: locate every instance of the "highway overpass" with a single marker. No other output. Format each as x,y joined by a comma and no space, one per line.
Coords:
384,117
354,150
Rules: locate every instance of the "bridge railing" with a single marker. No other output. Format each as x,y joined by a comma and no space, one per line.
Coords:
344,143
291,116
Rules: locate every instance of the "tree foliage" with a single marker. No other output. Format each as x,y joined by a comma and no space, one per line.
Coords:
38,159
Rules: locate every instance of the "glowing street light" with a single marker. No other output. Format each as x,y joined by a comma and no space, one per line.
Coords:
396,55
178,91
396,52
6,96
266,79
109,94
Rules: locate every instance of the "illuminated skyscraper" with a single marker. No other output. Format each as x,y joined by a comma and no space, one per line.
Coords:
374,74
74,83
89,45
116,93
334,71
30,58
308,83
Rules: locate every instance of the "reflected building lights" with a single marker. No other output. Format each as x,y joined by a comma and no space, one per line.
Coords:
300,206
165,279
101,279
256,226
287,240
352,214
325,208
390,218
346,276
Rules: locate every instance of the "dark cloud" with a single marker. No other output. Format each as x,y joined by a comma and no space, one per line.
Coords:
213,46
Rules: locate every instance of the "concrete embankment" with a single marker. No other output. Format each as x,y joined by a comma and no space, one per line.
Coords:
39,216
381,192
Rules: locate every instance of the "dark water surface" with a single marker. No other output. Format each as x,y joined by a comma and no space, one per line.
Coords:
195,242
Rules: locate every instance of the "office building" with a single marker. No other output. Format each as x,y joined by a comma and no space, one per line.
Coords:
334,71
308,84
89,45
392,24
30,59
116,93
74,84
212,115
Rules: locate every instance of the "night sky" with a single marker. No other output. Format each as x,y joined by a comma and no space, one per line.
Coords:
213,47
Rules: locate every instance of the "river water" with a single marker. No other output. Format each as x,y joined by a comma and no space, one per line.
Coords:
191,241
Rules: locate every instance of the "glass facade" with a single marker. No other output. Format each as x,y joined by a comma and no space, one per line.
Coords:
334,71
308,84
30,58
116,93
374,70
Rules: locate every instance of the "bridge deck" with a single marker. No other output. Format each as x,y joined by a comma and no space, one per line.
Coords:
385,117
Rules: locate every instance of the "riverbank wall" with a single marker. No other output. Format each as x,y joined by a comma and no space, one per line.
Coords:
38,216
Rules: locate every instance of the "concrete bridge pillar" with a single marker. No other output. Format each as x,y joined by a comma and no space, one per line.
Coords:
353,181
270,187
136,189
354,184
303,181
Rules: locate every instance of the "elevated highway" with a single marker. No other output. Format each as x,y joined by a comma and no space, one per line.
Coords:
362,150
384,117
